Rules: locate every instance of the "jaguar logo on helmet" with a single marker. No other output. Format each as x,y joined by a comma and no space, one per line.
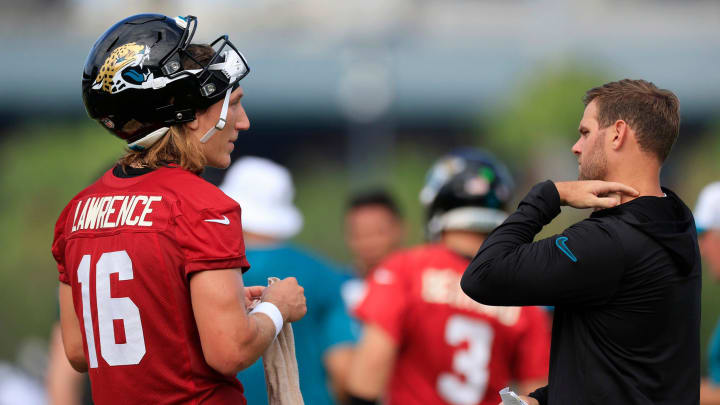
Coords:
123,69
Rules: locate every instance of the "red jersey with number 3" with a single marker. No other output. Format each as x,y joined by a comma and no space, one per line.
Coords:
127,247
451,349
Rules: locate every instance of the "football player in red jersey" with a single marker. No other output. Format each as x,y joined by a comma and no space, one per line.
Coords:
424,340
150,256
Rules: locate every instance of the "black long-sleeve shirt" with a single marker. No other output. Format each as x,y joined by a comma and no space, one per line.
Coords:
625,284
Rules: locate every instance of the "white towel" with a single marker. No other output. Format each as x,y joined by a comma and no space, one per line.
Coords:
510,398
281,371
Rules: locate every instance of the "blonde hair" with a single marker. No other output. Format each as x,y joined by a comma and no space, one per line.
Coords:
176,146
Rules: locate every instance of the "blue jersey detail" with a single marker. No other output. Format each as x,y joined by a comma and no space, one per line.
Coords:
560,243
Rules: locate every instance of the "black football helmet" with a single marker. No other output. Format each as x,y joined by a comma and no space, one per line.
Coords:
466,190
135,85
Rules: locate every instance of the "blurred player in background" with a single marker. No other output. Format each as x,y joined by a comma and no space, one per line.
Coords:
707,219
150,256
323,338
374,228
626,281
424,341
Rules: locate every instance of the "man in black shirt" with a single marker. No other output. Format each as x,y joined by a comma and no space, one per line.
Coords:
626,281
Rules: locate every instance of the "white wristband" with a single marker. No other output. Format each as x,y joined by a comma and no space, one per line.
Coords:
269,309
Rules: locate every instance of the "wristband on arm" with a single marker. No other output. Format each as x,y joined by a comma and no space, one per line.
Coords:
269,309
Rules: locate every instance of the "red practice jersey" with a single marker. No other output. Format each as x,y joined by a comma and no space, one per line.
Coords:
451,349
127,247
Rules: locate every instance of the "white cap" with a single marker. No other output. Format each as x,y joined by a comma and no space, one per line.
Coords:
707,210
265,193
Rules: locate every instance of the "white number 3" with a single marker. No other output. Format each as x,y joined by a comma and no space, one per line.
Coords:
472,363
109,309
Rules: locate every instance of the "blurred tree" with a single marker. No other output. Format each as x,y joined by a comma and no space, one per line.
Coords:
542,111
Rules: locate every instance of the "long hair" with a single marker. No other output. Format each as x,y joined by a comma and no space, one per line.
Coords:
176,146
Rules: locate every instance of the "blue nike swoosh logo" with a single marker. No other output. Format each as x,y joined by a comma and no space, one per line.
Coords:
560,243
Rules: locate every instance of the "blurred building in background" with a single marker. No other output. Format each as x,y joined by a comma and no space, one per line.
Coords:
381,65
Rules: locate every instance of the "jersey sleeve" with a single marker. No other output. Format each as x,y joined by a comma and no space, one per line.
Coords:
58,245
386,299
532,352
211,237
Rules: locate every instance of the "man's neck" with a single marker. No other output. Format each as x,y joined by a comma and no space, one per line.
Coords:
646,182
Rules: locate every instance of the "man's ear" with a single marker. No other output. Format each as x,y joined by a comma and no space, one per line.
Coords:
619,133
193,125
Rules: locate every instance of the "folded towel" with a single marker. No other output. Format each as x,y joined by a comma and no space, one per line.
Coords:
281,371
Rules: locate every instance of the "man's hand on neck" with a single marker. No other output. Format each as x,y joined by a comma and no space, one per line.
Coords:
593,193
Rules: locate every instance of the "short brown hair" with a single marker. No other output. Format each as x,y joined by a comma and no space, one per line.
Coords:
651,112
175,146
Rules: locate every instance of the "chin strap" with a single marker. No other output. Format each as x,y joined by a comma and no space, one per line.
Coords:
221,122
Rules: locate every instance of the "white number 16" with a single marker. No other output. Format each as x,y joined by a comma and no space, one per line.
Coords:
109,309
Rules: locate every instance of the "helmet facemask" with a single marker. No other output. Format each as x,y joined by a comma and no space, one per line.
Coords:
227,66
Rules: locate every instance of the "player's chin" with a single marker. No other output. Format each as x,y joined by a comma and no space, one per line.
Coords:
220,162
225,163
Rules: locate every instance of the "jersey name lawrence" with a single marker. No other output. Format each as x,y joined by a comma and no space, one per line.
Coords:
104,212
